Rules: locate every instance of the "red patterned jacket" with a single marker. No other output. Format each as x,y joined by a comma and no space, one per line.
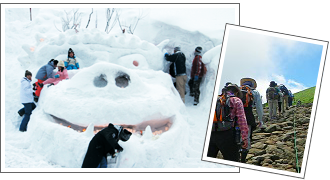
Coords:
197,67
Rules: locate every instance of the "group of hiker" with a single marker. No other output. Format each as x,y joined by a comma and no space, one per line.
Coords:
278,97
178,71
234,121
44,76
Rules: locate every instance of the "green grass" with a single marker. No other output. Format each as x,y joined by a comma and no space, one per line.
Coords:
305,96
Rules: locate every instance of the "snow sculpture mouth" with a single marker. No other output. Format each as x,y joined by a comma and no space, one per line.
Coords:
157,126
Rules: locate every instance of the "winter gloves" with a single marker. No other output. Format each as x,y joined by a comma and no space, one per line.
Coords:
57,76
166,54
41,85
196,78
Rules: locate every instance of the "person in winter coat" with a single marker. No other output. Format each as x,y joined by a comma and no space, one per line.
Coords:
26,95
179,60
196,74
71,62
59,76
104,142
43,74
224,141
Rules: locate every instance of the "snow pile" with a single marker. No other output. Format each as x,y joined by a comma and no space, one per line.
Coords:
93,96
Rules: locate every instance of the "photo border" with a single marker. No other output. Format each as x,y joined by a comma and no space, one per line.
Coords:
108,170
314,107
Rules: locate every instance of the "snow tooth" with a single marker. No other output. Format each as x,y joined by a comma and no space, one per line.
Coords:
147,133
90,129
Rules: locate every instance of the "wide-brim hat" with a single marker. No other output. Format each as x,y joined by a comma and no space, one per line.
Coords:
254,83
236,89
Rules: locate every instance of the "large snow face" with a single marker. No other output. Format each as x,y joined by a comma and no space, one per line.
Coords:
108,93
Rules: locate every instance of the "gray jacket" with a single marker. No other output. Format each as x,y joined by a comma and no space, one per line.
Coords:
258,104
46,71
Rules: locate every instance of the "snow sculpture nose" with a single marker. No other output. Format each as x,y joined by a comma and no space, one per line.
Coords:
122,80
100,81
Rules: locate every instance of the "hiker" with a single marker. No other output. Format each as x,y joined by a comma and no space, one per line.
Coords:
285,92
43,74
104,142
272,94
291,98
196,75
71,62
26,95
179,60
280,103
59,76
229,115
251,98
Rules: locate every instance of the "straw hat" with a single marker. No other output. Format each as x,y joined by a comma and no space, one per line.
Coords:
254,83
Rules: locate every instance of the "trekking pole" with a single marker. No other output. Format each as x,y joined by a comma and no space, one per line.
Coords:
295,141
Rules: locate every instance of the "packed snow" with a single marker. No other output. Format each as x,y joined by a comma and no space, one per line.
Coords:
92,97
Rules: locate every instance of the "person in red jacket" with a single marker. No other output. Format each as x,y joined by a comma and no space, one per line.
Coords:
196,74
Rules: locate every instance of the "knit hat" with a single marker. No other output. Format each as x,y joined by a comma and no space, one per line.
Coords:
198,49
70,51
177,49
27,72
60,64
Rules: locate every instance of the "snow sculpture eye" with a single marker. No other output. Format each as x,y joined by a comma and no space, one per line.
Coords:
100,81
122,80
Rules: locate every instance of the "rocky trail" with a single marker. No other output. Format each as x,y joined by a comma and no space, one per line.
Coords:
274,146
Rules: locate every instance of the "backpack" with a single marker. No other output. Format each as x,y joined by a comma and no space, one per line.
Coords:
284,90
272,93
247,98
222,120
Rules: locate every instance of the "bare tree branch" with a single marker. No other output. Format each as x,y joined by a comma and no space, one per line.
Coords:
110,13
89,18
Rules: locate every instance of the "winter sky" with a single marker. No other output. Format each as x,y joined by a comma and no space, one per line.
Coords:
268,58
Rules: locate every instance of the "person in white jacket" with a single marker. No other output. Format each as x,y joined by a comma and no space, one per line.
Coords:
26,99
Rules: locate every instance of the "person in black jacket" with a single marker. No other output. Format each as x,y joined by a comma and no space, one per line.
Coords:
179,61
104,142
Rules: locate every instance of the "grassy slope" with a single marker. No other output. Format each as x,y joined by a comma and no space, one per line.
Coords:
305,96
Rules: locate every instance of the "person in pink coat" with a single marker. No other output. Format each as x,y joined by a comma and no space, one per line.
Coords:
59,76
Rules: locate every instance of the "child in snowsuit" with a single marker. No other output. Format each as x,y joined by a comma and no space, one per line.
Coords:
26,100
59,76
43,74
104,142
71,62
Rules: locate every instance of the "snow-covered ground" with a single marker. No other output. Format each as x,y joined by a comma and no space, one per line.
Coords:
81,100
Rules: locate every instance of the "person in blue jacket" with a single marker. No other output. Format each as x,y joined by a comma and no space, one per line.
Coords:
71,62
26,95
43,74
